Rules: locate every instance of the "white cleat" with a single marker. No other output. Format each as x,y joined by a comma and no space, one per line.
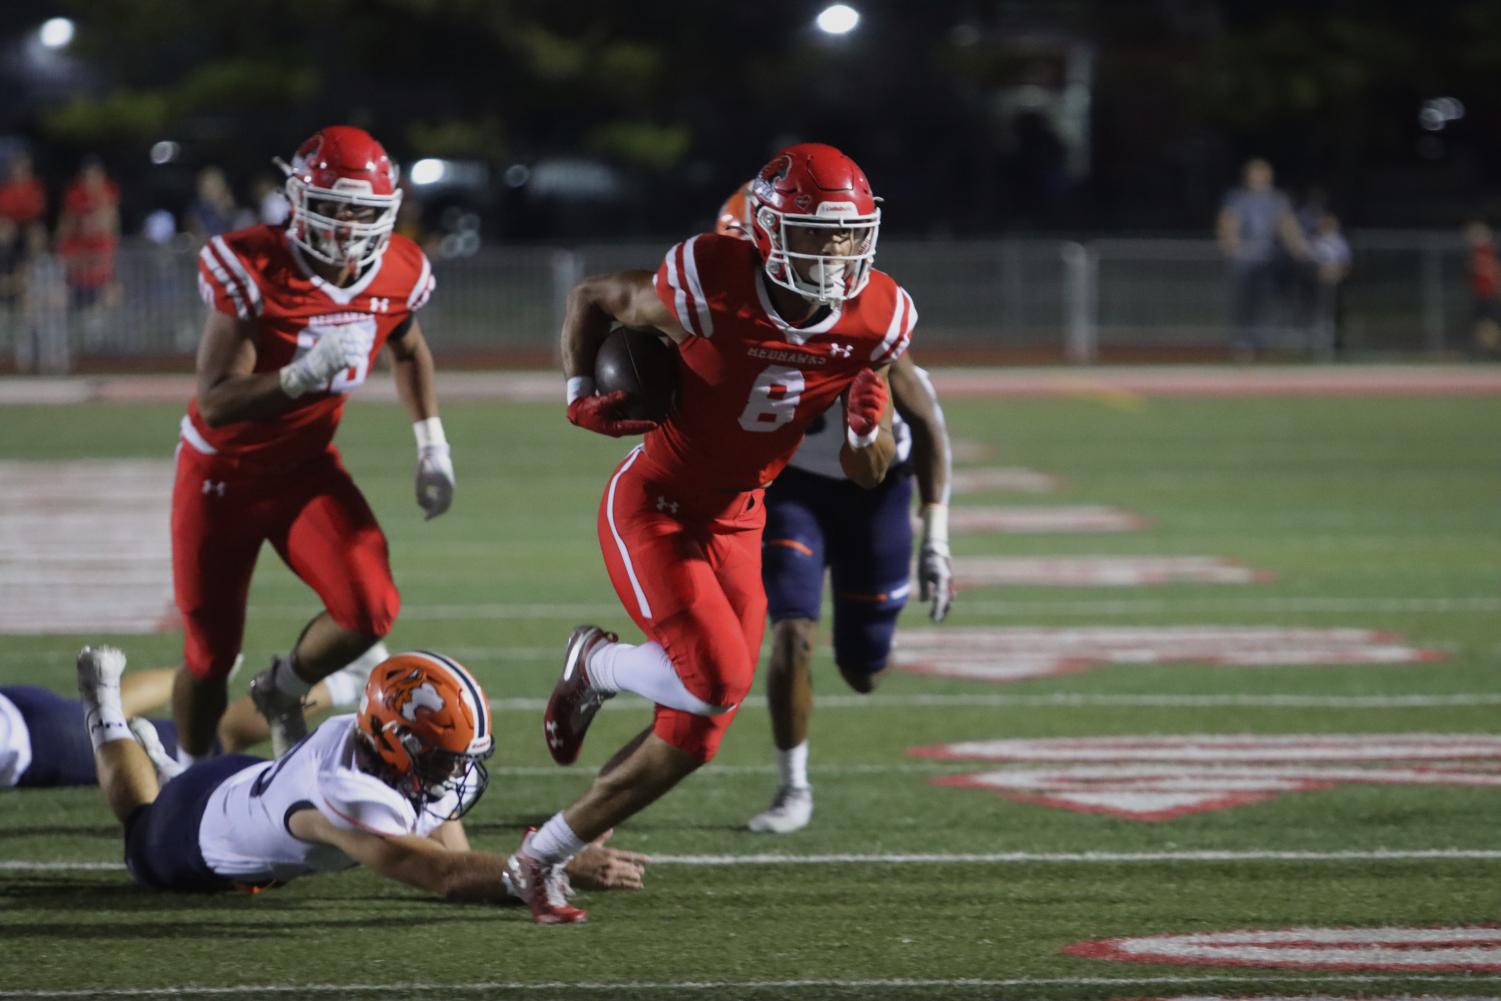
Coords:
99,669
167,767
789,811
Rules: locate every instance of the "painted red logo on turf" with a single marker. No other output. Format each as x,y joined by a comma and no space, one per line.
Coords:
1100,571
1038,520
1466,948
1012,654
1159,778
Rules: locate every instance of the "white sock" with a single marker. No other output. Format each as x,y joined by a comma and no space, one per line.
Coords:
189,760
347,684
647,671
555,841
792,766
286,680
105,717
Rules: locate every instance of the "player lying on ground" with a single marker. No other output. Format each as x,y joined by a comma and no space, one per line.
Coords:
297,318
817,518
384,787
43,741
768,338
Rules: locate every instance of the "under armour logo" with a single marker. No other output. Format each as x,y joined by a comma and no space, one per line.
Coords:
670,506
553,740
214,487
842,350
380,305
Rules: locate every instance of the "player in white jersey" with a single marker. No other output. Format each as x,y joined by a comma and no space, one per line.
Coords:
816,518
383,787
43,743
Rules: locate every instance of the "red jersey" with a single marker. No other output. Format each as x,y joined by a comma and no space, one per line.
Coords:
1485,272
257,274
23,202
749,383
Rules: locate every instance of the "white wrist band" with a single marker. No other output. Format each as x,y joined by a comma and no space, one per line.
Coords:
429,432
935,522
579,385
861,440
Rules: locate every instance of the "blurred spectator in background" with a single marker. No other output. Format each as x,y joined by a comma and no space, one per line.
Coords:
271,202
1254,222
23,203
23,233
1329,255
213,210
88,236
1485,288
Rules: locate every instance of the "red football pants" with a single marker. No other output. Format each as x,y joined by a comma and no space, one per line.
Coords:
312,514
686,564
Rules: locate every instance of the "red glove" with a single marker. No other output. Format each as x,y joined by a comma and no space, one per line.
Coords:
867,402
597,414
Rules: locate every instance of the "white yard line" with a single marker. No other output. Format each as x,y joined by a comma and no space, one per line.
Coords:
490,987
1020,608
1070,700
962,858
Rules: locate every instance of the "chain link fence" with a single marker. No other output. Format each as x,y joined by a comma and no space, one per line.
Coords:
1079,300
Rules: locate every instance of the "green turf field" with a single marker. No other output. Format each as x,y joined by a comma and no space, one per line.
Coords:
1373,514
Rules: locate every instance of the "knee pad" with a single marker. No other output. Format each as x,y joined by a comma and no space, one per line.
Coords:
862,641
371,614
698,736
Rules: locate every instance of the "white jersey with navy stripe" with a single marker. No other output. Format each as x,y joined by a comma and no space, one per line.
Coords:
15,744
819,451
244,836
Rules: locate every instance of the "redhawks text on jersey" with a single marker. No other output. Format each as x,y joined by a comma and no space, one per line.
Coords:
749,382
258,275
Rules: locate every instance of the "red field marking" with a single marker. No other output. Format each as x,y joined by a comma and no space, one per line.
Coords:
969,450
1012,654
1040,520
1157,778
84,546
1464,948
1101,571
1008,479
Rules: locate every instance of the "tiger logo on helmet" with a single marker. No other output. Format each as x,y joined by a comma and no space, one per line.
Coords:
427,722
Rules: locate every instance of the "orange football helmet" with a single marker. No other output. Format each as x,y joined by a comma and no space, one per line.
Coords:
734,215
428,723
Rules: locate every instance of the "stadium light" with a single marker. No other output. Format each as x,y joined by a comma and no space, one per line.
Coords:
164,152
56,32
428,171
838,19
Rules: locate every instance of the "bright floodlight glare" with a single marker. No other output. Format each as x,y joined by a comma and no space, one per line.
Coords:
838,19
428,171
56,32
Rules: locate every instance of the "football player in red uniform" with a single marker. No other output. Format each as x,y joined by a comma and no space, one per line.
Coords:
769,335
816,519
297,318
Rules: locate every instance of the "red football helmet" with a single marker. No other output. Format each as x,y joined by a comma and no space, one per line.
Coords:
815,222
734,215
427,721
342,189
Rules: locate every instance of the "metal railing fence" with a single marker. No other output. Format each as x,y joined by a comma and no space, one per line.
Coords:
1080,300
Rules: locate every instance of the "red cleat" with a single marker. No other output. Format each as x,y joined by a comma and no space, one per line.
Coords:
574,700
543,887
